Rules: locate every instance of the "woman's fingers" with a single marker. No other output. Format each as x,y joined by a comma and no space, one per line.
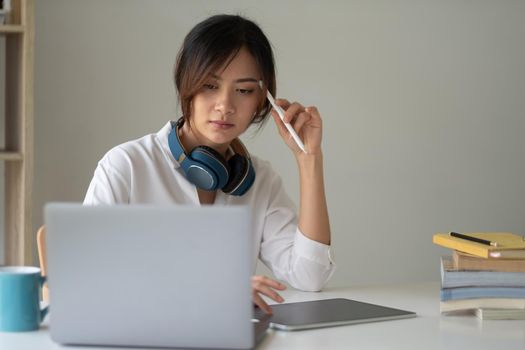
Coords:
316,120
301,119
263,280
296,114
306,121
270,293
283,103
264,285
280,125
257,300
314,112
292,111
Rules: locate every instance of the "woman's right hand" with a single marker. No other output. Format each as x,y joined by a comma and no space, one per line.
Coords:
266,286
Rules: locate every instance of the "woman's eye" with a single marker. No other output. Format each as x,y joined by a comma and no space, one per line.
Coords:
245,91
210,86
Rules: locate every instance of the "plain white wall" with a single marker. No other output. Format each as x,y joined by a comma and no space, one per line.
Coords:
423,105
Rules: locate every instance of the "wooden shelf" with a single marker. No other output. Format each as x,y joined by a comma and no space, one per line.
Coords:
11,29
11,156
17,152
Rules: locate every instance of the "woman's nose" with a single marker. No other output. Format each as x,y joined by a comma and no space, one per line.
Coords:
224,102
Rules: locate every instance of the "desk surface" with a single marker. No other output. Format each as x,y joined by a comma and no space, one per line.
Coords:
429,330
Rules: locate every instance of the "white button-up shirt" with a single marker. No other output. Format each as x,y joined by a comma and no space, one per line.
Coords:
145,171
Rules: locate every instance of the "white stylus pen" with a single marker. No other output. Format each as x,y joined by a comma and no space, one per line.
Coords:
280,111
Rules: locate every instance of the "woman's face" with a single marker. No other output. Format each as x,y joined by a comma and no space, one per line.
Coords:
224,107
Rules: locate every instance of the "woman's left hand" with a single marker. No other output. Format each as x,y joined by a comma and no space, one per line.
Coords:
306,122
266,286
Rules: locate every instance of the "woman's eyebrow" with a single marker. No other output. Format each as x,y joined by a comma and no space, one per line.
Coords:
241,80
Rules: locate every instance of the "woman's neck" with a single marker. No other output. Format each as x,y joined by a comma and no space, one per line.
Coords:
191,139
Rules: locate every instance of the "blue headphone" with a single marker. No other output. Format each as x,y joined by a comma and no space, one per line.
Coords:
208,170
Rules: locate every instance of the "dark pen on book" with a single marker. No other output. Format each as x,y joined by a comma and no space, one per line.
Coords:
474,239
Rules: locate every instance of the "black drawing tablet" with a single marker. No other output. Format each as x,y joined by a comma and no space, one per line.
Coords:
330,312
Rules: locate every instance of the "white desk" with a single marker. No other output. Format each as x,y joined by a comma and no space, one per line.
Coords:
429,330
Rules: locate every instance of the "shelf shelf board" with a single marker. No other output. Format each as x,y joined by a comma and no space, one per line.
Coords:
11,156
11,29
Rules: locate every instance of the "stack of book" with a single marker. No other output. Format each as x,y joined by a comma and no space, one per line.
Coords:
486,274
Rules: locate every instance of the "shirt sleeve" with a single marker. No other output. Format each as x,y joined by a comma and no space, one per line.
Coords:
302,262
109,185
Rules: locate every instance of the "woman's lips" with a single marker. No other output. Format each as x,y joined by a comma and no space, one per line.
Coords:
220,124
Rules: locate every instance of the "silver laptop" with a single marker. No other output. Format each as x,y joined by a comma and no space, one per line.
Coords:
150,276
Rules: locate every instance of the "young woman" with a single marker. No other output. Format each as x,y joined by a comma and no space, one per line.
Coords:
222,73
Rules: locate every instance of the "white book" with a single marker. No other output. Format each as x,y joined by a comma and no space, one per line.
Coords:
500,314
483,303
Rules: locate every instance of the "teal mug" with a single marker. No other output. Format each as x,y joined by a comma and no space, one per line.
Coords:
20,288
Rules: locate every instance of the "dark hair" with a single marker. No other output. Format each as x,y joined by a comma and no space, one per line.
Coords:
215,42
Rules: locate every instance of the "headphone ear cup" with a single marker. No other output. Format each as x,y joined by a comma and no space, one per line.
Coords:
242,175
210,162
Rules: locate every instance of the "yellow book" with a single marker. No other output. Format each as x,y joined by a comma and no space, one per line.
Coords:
496,245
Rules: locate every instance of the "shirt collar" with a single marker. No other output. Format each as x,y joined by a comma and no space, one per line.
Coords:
162,136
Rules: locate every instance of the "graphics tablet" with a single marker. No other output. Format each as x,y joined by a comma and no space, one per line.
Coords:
331,312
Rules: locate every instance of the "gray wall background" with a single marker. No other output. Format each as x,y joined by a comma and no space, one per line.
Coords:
423,105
